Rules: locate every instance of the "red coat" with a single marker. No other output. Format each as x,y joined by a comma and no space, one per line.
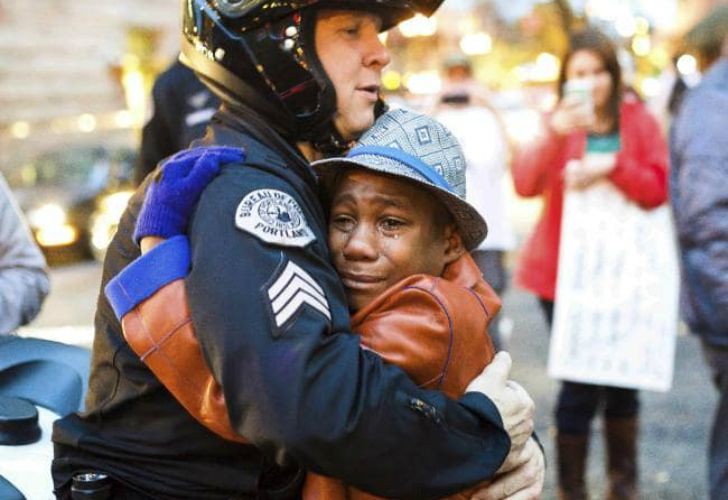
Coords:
640,173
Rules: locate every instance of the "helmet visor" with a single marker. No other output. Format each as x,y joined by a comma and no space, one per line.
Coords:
426,7
392,12
252,13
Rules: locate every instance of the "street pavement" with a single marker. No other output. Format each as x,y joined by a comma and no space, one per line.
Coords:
675,425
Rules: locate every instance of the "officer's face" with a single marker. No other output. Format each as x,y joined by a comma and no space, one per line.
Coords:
382,230
352,55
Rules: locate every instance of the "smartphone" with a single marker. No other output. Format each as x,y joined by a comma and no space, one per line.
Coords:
581,90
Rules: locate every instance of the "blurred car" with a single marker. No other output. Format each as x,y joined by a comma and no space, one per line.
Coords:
105,220
74,196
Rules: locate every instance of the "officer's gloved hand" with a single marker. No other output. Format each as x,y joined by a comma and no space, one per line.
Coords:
177,186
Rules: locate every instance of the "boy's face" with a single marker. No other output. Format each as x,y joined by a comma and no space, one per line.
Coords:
351,53
382,230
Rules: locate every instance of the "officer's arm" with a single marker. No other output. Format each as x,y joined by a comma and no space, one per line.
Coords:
273,324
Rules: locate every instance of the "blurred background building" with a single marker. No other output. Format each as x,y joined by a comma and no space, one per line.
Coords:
76,68
78,73
70,67
74,81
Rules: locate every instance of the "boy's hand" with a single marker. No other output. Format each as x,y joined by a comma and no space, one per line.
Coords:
177,186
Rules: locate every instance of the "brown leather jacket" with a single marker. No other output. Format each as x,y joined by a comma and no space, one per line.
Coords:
435,329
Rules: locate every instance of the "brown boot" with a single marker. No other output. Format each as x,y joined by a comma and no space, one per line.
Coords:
621,444
572,452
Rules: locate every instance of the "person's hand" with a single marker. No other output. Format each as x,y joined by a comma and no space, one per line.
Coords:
174,191
581,174
523,477
515,406
572,114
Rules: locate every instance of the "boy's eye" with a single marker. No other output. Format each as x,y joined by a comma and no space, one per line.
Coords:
343,223
390,224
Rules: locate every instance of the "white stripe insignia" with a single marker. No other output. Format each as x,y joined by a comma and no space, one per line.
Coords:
294,288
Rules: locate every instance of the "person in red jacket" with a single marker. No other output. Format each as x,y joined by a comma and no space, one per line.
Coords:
600,116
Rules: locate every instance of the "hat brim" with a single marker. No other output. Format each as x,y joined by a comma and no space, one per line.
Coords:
471,225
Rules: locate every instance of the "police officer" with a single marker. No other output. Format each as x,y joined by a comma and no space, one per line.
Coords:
296,79
181,109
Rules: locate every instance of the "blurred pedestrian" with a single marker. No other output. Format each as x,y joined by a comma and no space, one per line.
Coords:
699,196
459,79
634,159
463,109
23,275
671,88
181,109
677,91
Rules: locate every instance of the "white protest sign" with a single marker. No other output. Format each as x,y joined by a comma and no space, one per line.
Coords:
616,313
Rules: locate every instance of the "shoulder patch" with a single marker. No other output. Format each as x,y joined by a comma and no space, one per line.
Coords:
274,217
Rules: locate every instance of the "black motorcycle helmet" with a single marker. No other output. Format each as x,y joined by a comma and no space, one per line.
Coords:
261,53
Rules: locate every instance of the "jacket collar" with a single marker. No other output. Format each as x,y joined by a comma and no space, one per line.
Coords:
463,272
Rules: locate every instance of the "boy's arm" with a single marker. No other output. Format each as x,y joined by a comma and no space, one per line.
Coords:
150,300
171,198
435,330
149,296
149,243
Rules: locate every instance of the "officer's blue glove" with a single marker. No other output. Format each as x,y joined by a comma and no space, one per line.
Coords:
174,192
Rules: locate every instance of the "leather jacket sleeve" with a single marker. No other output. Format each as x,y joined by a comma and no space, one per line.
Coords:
434,328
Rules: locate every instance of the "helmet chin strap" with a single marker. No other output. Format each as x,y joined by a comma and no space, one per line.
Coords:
331,143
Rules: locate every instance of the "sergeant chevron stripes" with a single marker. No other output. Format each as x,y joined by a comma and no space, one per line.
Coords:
294,288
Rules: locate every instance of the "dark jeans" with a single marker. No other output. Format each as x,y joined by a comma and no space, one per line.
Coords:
717,359
578,403
490,263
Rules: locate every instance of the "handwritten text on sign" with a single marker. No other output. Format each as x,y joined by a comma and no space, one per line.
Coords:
615,320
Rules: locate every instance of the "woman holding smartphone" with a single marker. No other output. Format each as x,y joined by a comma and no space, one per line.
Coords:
596,132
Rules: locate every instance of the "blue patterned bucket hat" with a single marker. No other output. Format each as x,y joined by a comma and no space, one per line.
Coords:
414,146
